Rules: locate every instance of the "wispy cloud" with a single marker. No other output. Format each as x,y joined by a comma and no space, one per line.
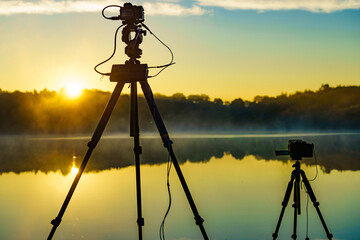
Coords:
172,9
326,6
77,6
48,6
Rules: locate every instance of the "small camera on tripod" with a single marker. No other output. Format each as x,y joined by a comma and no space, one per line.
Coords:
131,13
297,149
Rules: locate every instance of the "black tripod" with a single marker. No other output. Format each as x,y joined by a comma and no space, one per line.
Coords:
132,72
295,179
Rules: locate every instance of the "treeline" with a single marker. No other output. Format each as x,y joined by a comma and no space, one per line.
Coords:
50,112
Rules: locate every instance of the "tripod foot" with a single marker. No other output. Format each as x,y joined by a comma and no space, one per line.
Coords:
274,235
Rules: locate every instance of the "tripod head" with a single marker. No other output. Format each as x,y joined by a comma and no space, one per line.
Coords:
132,49
132,70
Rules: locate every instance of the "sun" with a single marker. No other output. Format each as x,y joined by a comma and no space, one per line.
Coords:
73,89
74,170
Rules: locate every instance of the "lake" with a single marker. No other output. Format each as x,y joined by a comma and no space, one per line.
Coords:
236,181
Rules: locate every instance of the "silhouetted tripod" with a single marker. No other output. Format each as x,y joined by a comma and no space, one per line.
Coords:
132,72
296,176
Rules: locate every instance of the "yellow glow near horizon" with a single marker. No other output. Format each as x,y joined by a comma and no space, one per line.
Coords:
73,89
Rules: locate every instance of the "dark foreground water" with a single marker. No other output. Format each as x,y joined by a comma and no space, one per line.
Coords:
237,183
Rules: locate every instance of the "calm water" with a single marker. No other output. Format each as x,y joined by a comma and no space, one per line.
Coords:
237,183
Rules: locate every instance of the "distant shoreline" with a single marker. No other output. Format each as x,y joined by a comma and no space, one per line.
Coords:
329,109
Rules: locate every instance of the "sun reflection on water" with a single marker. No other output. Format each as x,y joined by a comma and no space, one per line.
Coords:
74,170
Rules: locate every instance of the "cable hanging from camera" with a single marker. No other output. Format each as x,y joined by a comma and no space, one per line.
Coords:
307,198
114,51
172,55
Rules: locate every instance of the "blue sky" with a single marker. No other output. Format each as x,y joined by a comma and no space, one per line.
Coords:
225,49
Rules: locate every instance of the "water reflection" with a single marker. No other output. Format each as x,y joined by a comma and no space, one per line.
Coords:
238,200
21,154
74,169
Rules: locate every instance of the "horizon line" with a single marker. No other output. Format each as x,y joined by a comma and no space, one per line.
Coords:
62,89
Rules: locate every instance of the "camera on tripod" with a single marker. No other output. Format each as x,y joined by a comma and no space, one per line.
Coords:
297,149
131,13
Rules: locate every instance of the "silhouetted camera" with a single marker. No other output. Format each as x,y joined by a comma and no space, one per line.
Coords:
132,13
297,149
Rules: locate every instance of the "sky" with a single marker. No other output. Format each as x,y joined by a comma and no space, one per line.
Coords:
226,49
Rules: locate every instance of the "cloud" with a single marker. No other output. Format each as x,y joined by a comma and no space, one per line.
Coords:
48,7
326,6
12,7
171,9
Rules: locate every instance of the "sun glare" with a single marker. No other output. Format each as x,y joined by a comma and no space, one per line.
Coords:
74,170
73,89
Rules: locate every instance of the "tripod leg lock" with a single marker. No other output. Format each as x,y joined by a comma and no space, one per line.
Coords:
138,150
167,141
198,220
92,143
56,221
140,221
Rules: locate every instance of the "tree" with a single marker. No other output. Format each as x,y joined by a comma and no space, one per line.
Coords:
218,101
237,104
199,98
179,96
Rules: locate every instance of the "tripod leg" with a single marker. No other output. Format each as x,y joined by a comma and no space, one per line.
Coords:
284,204
134,132
315,202
92,144
296,204
167,143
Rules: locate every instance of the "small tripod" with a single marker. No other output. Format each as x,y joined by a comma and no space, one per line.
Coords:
132,72
295,178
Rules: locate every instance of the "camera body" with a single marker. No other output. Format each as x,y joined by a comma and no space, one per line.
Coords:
301,148
131,13
297,149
